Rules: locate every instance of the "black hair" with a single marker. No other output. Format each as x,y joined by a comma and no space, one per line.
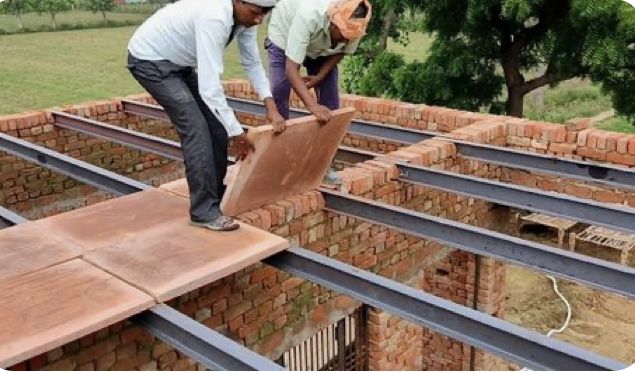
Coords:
361,11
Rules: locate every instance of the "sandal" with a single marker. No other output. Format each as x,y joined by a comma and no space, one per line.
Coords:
220,224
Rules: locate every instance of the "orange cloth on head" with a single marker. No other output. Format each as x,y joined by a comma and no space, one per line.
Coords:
340,13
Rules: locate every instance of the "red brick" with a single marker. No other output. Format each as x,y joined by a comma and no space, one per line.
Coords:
236,323
623,159
578,191
631,145
608,196
583,136
261,273
37,362
136,334
622,143
237,310
592,153
217,293
343,302
562,148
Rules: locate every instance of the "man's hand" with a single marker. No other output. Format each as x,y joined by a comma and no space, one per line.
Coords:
243,146
277,121
311,81
274,118
322,113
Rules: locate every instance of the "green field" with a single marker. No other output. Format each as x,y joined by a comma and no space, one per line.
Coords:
43,70
574,99
35,21
49,69
417,48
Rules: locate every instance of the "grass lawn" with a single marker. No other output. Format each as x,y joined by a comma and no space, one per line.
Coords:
570,99
43,70
34,20
574,99
417,49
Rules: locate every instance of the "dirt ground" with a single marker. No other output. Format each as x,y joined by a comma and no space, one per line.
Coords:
601,322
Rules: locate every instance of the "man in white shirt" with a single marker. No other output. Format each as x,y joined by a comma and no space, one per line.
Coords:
165,54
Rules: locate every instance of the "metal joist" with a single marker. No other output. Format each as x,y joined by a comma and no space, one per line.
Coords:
145,110
475,328
557,204
357,127
620,177
80,170
201,343
9,218
588,270
138,140
482,331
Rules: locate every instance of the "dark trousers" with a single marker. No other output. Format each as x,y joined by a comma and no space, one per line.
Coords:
204,140
327,91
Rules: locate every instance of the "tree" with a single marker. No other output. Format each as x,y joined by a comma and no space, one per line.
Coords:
102,6
491,53
53,7
17,8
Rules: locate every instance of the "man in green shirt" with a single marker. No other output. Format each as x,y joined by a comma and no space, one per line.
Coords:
316,34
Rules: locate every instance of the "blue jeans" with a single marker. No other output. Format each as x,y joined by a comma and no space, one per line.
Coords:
327,91
203,138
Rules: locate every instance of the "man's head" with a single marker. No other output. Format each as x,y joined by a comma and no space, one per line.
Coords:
250,13
349,19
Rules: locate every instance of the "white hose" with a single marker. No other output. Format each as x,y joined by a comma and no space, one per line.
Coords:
566,302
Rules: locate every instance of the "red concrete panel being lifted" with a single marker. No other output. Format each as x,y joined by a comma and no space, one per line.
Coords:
45,309
291,163
32,246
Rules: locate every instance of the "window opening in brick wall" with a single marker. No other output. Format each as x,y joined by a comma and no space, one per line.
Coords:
340,346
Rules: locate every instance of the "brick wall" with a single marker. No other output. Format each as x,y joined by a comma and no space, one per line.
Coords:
265,309
271,311
37,192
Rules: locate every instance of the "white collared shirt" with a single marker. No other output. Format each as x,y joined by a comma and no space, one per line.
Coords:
195,33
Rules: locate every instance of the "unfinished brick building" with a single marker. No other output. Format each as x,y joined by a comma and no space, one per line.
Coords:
296,322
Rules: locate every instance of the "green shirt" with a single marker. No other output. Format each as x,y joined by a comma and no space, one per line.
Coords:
301,28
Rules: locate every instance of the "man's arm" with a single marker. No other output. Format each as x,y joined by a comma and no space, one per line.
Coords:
297,43
330,63
209,49
251,62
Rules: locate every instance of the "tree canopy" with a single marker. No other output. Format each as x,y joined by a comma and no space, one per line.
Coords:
53,7
491,53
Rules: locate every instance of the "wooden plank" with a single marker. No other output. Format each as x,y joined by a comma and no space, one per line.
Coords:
45,309
32,246
291,163
550,221
170,259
